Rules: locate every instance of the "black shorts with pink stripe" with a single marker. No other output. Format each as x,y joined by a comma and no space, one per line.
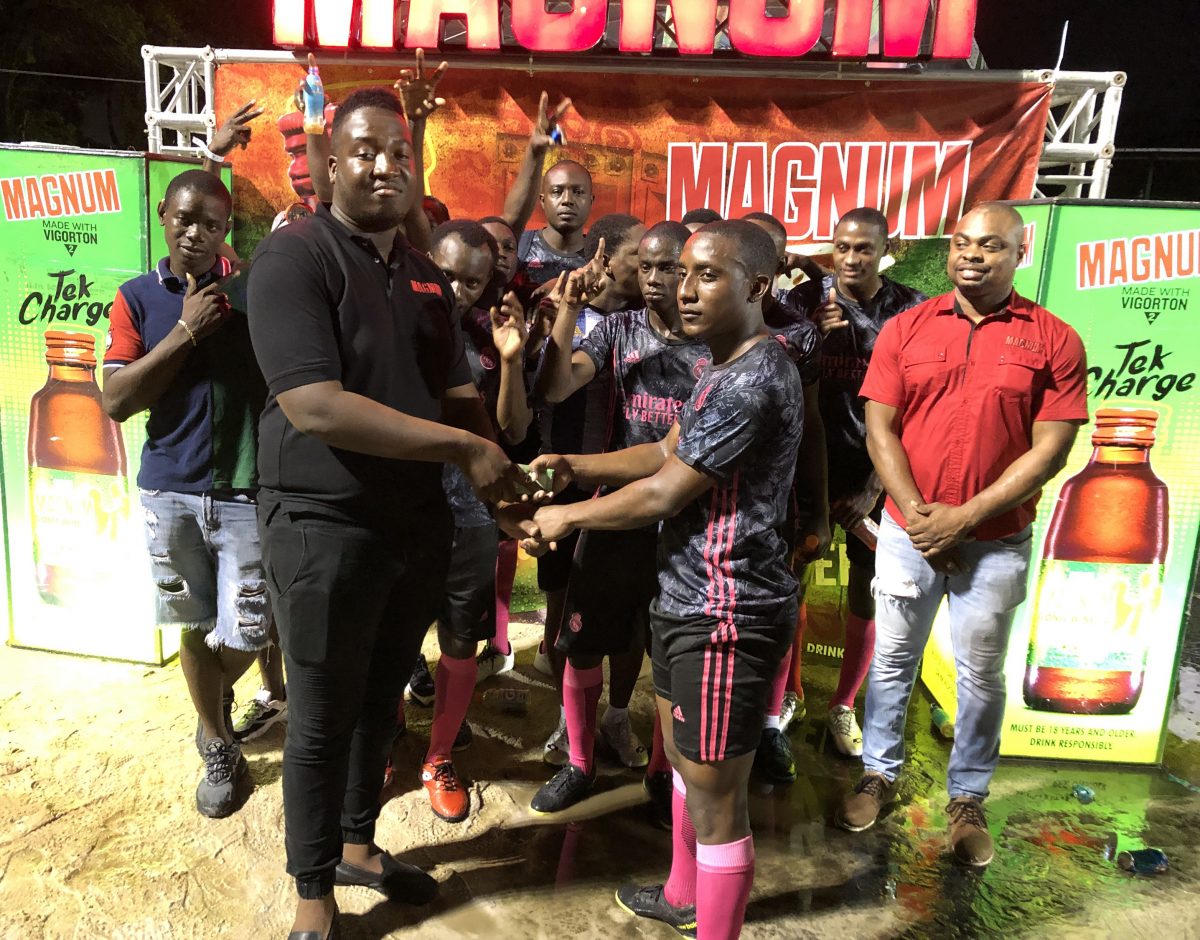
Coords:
717,675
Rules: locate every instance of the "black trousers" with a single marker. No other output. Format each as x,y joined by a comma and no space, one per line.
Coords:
352,606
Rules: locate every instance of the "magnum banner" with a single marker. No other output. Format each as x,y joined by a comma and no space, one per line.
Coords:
658,145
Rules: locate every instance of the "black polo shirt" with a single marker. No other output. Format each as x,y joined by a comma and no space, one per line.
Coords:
325,306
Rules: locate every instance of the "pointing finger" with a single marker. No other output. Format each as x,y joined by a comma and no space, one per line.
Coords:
312,61
420,63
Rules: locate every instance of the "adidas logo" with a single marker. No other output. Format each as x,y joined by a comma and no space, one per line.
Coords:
634,356
677,714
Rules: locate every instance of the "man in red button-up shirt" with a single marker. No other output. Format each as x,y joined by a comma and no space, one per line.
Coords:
973,402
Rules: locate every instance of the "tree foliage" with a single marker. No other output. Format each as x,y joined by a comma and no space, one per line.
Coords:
101,38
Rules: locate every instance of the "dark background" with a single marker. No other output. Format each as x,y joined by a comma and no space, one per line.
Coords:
1153,41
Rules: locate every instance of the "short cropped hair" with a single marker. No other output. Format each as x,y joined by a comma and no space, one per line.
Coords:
674,232
756,250
569,163
865,215
497,220
473,235
198,181
701,216
375,97
770,220
613,228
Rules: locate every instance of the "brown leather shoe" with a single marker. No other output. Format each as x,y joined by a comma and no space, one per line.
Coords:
969,838
860,807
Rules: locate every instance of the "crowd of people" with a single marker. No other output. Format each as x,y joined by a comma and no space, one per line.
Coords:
349,437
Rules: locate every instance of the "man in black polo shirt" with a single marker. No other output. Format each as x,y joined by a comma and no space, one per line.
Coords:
369,394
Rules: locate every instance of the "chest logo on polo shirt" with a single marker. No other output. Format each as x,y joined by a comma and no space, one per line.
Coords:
427,287
1033,345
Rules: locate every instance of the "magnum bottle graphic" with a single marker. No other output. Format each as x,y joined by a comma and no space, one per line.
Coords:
1101,577
78,491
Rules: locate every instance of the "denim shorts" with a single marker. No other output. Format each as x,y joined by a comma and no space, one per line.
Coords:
207,563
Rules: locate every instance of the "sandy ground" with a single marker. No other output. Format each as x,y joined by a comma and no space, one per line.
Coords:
99,836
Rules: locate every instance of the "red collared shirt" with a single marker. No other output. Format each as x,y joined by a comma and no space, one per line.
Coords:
968,395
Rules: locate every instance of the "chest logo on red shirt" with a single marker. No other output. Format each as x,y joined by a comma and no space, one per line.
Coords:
1033,345
426,287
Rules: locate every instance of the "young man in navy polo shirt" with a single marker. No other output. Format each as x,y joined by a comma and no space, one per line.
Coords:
177,347
973,401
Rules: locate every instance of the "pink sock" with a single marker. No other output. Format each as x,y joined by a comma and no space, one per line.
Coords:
658,757
724,875
680,888
506,572
779,686
856,660
793,684
581,695
454,682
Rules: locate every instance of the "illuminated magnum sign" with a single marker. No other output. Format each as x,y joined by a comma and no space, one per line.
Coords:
753,29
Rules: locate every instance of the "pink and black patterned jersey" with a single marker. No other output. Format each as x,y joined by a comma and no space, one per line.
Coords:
723,555
652,376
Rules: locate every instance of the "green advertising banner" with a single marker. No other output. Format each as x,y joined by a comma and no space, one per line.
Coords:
1093,651
74,226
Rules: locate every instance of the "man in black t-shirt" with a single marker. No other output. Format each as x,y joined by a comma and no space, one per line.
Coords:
369,394
726,609
850,308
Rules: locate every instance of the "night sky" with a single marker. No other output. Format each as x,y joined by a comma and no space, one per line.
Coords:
1154,41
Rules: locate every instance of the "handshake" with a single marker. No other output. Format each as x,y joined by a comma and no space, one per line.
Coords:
522,510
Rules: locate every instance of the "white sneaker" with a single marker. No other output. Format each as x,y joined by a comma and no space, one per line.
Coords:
541,661
847,737
791,710
557,752
619,737
492,662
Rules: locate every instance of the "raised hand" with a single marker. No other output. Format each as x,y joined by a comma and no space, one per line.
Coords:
585,284
543,129
509,331
418,91
235,130
305,91
829,317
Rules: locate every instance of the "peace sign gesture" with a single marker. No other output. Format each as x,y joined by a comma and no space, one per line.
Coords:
234,130
417,90
547,123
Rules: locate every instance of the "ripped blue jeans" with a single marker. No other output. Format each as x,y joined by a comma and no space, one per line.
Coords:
207,564
982,599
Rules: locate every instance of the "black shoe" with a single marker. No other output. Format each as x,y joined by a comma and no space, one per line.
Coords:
774,761
661,789
649,902
563,790
227,709
399,881
420,685
334,933
463,739
224,766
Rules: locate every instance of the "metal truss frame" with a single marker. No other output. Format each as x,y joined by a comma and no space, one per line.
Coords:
1076,157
